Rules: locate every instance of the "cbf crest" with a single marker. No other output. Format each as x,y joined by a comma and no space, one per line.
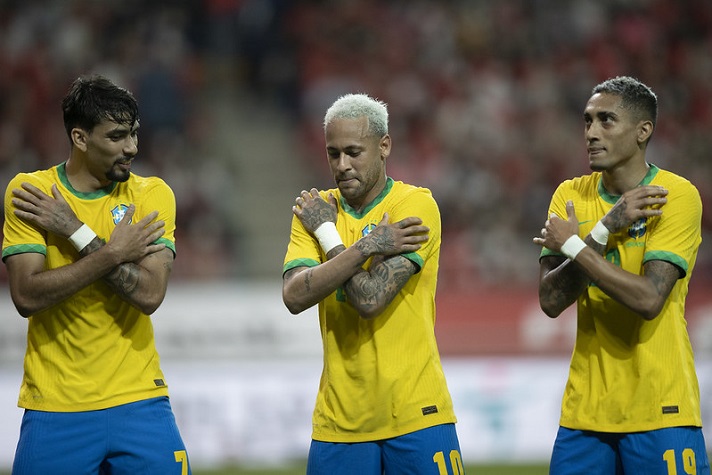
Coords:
368,228
638,229
117,214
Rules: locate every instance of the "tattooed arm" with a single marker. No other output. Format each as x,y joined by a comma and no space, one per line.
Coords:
371,291
303,287
134,267
561,281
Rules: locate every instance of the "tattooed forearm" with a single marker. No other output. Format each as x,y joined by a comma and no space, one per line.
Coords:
335,251
663,275
124,279
596,246
372,291
318,217
560,286
362,289
308,280
381,241
94,245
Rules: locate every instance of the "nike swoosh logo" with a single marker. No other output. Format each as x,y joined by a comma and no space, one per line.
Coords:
584,222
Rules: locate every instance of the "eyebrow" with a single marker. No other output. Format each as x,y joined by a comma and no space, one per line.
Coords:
601,114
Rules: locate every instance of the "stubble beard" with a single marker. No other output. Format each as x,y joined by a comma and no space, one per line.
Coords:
118,176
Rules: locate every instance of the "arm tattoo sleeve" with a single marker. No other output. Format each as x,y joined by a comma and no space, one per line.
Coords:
378,287
124,278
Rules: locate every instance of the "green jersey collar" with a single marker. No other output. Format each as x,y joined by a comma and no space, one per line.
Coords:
652,171
62,172
371,205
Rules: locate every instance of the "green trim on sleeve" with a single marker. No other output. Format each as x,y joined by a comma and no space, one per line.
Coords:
299,263
23,249
667,257
415,259
169,244
545,251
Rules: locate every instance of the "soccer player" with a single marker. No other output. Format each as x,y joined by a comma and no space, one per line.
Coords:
89,247
631,404
367,253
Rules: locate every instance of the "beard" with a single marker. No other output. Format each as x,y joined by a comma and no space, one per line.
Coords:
118,175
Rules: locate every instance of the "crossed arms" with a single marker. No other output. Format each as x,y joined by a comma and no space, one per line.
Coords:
130,263
562,280
370,290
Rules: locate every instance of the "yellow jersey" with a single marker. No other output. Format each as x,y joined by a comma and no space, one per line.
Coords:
628,374
93,350
381,377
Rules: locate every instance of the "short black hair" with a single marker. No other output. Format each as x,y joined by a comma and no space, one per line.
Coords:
635,95
93,99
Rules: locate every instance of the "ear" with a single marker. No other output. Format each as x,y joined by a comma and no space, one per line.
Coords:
645,130
79,138
385,146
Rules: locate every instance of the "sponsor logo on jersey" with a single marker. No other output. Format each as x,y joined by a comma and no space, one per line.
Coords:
117,214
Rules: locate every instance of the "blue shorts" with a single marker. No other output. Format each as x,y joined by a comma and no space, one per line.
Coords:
675,450
435,450
139,438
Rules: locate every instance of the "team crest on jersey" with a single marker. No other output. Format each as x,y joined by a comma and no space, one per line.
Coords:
117,214
368,228
637,229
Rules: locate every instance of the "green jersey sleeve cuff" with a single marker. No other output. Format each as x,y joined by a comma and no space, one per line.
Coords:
24,248
299,263
667,257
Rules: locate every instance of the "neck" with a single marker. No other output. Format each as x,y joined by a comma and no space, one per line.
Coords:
80,178
619,181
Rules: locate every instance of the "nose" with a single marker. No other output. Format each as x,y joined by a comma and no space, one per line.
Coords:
343,162
131,146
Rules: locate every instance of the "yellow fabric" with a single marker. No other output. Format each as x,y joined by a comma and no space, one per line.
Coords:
381,377
628,374
93,350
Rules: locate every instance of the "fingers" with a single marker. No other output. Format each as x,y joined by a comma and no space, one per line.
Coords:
332,200
32,189
56,194
570,212
146,219
160,231
652,190
306,196
128,214
409,221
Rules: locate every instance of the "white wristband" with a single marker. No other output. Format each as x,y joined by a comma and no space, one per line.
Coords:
328,236
572,247
600,233
82,237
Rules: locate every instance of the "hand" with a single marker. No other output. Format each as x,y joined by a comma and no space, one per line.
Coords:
640,202
556,230
131,242
407,235
313,211
51,213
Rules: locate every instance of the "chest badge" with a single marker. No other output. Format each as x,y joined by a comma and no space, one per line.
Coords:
368,228
638,229
118,212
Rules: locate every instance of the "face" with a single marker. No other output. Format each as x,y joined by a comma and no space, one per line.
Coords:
613,134
357,160
110,149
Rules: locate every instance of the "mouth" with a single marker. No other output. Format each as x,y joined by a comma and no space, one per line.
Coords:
593,151
125,166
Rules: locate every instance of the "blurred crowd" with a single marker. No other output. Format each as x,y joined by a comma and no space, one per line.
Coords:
485,99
